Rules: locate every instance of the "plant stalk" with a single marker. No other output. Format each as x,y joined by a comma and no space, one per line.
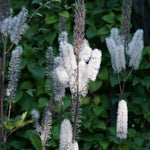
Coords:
77,103
2,93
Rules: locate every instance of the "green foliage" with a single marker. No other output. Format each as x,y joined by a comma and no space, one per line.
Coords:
99,107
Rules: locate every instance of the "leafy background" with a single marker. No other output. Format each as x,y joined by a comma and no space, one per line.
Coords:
100,106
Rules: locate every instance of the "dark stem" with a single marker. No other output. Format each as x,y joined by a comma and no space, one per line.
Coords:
120,142
129,74
71,107
77,103
119,85
2,93
43,147
62,110
37,11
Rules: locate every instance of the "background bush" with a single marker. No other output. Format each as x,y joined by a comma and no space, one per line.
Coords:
99,107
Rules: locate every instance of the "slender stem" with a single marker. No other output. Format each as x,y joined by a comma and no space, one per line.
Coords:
119,85
37,11
77,103
43,147
71,107
62,110
2,92
129,74
10,47
120,142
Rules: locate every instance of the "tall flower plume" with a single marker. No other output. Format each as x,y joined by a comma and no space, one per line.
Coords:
65,135
122,120
14,70
125,21
4,10
116,50
79,27
43,130
135,49
19,26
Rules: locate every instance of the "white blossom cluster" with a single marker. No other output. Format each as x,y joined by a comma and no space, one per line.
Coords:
122,120
14,70
66,137
117,51
42,130
15,26
65,72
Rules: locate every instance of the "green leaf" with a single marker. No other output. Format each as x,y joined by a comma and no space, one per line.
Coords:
30,92
35,142
21,119
136,80
43,101
24,123
95,86
103,31
39,14
91,33
9,125
146,82
26,85
132,133
98,10
110,18
85,100
98,110
51,19
138,141
97,99
104,144
18,96
64,14
99,124
103,74
113,80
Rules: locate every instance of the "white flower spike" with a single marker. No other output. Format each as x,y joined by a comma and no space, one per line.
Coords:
122,120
